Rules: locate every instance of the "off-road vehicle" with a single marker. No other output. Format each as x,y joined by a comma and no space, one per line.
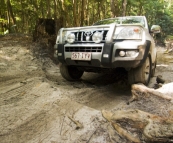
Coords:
125,42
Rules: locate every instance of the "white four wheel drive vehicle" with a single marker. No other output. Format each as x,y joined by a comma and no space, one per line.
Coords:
125,42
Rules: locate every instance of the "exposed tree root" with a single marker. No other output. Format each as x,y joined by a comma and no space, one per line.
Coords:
140,89
124,133
150,127
153,128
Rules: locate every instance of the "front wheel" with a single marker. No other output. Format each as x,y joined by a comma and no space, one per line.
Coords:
141,74
70,73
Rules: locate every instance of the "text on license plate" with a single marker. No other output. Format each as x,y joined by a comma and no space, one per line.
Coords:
81,56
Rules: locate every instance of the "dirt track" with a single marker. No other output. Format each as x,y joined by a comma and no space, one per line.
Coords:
38,106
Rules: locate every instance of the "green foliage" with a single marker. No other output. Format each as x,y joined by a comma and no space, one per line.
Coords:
3,29
3,21
169,37
26,12
164,18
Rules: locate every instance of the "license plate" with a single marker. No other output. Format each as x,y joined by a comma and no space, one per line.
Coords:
81,56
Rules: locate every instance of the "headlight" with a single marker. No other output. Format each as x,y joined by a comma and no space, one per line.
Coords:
70,38
128,53
132,53
97,37
130,33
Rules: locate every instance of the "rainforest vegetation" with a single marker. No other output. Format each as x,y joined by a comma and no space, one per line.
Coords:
21,15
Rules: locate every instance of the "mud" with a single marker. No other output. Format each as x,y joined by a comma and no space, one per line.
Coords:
37,104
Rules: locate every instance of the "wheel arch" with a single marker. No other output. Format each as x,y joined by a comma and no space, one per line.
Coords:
147,51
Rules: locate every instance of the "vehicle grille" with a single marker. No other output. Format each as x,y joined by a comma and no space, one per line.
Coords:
81,36
83,49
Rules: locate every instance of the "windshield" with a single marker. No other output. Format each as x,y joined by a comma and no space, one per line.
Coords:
122,20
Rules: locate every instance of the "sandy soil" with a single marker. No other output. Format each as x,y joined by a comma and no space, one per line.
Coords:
38,106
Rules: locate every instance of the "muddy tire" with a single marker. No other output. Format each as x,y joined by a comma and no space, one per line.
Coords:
70,73
141,74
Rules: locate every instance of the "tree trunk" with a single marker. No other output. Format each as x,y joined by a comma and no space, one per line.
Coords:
98,10
93,14
78,12
55,15
124,7
9,21
9,7
42,9
115,11
112,8
82,12
87,14
55,10
23,16
74,13
48,9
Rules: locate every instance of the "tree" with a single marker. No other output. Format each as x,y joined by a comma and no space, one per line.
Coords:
70,13
10,14
82,12
124,7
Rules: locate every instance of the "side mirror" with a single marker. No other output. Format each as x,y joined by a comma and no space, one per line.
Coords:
155,29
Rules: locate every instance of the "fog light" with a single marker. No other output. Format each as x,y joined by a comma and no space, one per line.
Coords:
97,37
71,38
105,55
59,54
132,53
122,53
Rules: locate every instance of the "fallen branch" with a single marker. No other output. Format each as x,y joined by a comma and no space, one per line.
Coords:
78,125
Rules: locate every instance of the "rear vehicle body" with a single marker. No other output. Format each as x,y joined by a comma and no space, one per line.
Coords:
116,42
